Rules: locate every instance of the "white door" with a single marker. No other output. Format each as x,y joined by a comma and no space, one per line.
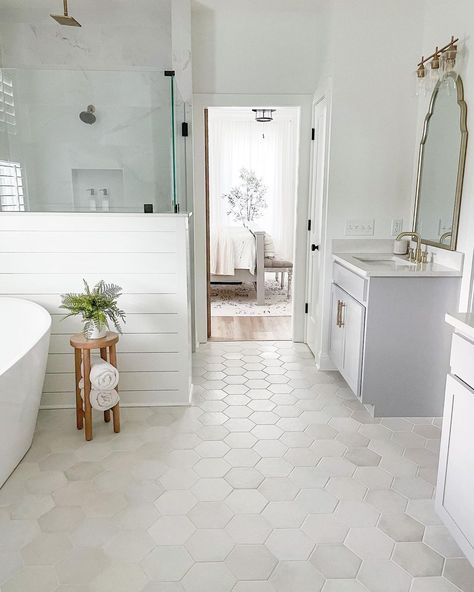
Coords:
315,223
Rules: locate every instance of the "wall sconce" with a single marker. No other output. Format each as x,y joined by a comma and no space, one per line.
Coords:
441,62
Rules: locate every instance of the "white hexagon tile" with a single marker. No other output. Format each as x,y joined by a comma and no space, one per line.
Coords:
274,480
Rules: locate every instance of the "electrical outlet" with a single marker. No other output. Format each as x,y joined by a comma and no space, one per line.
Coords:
397,226
360,227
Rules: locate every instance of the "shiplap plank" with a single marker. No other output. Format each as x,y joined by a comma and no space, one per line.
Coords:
165,342
65,400
134,323
48,283
128,362
130,303
137,381
96,222
86,242
104,263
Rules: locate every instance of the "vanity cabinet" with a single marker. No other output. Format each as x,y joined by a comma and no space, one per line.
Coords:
389,340
454,494
347,335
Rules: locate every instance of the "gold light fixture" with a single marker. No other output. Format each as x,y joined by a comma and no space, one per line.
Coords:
65,19
441,61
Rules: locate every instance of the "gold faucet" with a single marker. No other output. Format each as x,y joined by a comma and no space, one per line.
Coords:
418,257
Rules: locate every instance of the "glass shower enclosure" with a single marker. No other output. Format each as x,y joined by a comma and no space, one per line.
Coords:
90,141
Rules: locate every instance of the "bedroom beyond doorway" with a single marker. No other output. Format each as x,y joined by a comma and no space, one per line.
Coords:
251,181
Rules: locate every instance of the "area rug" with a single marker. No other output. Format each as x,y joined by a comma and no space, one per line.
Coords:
241,300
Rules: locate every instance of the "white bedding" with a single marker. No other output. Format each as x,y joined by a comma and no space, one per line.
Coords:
232,248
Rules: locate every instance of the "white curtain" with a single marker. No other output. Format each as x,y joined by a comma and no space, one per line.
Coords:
236,142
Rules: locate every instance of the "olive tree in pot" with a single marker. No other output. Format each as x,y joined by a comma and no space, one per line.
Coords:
246,201
97,306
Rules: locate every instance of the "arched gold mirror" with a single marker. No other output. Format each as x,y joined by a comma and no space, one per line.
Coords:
441,164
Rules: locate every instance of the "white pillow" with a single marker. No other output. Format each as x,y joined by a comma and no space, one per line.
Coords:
269,247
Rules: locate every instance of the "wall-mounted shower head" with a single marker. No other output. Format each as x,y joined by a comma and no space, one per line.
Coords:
89,115
65,19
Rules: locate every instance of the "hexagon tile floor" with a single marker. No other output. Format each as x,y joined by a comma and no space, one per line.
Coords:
275,480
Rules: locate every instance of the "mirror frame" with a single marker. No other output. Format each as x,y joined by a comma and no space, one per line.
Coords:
461,162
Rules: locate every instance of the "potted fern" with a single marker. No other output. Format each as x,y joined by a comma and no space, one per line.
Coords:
97,306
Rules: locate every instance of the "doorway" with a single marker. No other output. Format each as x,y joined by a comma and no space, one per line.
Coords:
251,162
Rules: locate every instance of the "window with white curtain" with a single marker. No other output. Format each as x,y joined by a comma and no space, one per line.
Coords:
11,187
236,141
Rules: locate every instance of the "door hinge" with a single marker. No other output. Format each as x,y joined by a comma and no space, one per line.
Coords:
313,134
309,224
306,308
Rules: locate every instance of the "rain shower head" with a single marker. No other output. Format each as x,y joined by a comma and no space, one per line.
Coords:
65,19
89,115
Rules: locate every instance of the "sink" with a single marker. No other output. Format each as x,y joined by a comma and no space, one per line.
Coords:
385,261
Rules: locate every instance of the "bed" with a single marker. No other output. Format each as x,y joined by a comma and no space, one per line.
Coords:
238,255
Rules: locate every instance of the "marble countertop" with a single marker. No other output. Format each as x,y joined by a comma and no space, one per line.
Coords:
389,265
463,322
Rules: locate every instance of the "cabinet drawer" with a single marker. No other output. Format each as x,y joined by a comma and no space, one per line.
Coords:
349,281
462,357
454,499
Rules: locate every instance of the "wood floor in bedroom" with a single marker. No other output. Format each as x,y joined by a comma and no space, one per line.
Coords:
252,328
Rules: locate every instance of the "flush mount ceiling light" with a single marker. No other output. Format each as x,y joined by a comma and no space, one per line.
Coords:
264,115
441,62
65,19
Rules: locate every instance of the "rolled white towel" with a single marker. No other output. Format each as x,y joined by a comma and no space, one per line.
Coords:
103,400
103,376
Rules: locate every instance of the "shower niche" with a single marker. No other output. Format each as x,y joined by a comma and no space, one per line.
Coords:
98,190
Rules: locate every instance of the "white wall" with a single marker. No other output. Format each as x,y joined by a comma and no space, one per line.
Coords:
443,19
265,47
45,255
373,50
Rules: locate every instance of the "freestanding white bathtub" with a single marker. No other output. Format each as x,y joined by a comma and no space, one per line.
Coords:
24,343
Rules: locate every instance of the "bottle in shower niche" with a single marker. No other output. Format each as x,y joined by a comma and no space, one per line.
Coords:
105,199
92,200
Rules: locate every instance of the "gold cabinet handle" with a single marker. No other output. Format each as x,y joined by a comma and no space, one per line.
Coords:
341,319
338,316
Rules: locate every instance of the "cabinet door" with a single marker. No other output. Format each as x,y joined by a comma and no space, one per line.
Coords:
336,350
353,321
456,471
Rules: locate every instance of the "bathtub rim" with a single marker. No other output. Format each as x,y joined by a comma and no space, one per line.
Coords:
29,346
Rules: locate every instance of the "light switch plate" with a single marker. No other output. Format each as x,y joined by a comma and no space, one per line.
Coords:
362,227
397,226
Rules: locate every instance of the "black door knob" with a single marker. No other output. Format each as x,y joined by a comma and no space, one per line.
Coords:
314,247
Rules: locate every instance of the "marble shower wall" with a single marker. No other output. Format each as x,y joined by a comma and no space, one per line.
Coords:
116,62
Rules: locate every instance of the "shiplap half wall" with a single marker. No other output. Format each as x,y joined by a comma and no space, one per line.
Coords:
43,255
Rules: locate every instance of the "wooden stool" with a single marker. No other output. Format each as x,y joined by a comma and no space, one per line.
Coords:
82,353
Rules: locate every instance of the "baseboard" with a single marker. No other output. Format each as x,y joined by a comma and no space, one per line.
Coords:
324,363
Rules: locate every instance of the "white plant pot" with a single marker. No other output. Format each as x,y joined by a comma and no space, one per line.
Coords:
98,334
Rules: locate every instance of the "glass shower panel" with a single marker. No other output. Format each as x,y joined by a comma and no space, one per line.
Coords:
182,145
86,141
